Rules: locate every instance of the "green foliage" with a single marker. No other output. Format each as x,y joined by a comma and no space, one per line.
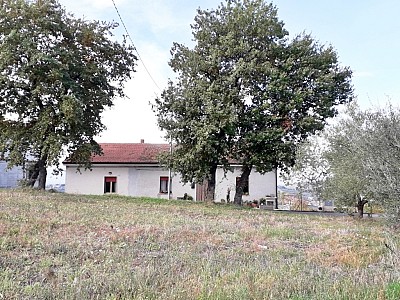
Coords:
381,160
393,291
347,180
57,75
246,92
360,158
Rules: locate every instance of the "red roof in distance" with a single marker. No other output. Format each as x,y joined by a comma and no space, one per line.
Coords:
140,153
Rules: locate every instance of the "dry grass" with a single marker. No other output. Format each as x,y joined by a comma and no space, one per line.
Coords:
56,246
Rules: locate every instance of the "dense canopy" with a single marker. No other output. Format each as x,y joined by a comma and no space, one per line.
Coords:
246,91
57,75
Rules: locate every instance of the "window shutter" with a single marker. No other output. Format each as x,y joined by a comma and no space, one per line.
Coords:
111,179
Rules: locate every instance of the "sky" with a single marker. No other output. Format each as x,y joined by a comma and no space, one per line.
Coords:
363,32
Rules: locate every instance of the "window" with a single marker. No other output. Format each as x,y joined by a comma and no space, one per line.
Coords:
245,187
110,184
164,185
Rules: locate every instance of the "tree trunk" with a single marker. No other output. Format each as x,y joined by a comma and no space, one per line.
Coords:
38,172
240,185
360,206
210,193
42,176
33,174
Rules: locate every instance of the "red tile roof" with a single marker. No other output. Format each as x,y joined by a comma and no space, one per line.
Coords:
131,153
143,153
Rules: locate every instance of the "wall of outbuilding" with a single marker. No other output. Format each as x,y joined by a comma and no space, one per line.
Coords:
9,178
260,185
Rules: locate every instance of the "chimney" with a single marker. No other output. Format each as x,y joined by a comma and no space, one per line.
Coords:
142,141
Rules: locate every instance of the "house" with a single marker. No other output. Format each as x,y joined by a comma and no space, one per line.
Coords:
134,170
9,178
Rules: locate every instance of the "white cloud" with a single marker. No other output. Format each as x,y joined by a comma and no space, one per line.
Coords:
362,74
133,119
92,9
130,120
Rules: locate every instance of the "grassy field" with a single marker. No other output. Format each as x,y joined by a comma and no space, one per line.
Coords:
57,246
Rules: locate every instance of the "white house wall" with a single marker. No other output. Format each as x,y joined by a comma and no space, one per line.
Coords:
145,181
131,181
259,185
91,182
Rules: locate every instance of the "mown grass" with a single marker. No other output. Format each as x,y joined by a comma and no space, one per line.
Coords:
57,246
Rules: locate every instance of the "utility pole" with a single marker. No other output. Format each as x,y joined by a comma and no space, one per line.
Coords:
169,171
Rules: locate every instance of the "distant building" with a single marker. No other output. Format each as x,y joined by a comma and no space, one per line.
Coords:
9,178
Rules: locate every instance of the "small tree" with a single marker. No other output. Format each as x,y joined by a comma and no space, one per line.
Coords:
381,158
57,75
362,155
348,183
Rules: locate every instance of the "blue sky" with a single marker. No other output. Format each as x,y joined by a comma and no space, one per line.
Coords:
364,33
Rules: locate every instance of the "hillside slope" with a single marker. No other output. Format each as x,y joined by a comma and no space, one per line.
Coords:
59,246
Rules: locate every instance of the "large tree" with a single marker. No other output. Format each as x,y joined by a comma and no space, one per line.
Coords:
57,75
246,92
